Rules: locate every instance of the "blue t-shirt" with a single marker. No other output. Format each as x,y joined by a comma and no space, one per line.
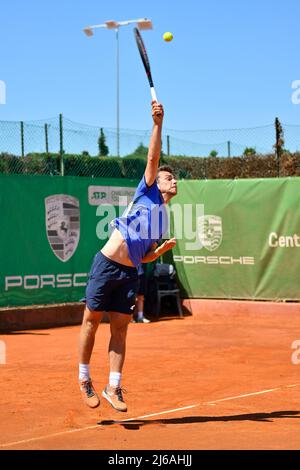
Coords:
144,221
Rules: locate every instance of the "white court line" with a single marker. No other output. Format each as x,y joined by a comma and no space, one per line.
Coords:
47,436
96,426
161,413
242,396
62,433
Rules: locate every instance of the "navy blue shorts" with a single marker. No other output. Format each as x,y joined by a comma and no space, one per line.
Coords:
111,286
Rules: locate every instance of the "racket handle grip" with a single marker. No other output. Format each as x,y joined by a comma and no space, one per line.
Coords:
153,94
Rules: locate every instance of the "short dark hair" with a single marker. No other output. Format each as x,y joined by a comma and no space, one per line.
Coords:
165,168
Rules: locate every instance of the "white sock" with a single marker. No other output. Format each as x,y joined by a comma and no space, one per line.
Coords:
84,372
115,379
140,315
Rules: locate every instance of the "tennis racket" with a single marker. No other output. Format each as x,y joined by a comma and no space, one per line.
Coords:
145,60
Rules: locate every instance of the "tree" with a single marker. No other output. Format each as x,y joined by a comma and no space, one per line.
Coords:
279,136
279,145
213,153
140,151
103,148
249,151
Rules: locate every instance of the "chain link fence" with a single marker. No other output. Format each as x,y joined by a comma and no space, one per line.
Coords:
59,146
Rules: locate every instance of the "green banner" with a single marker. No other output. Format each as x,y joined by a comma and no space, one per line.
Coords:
51,228
248,235
236,239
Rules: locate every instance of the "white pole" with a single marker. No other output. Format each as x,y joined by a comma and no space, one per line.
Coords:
142,23
118,95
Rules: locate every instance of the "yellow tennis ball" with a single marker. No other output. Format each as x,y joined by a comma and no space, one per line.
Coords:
168,36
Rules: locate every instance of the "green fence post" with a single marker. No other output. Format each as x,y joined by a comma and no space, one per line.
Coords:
46,138
229,148
61,150
22,139
168,145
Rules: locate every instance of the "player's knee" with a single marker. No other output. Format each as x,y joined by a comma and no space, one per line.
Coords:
119,331
91,325
91,320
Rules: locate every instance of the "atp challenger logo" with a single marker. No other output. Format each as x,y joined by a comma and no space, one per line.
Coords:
63,225
210,231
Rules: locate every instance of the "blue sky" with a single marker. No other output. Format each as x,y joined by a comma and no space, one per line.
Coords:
231,63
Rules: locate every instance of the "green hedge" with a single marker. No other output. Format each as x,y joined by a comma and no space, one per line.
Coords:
253,166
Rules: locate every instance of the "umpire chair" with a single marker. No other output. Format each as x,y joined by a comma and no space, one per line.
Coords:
164,276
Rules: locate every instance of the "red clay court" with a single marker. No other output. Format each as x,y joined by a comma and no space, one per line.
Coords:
209,381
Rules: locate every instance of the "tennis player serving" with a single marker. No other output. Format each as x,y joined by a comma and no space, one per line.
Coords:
113,277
